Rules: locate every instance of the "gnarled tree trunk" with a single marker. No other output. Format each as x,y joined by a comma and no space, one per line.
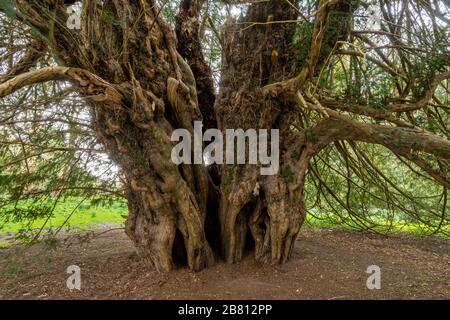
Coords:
271,208
142,80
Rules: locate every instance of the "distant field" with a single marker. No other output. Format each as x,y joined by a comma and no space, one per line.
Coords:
85,216
385,227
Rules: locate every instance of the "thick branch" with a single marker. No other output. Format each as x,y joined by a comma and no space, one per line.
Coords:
427,95
83,78
399,140
32,77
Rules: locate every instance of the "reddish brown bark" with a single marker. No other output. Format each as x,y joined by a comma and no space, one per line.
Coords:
142,80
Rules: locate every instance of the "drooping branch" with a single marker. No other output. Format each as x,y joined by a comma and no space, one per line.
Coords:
398,139
96,88
426,97
405,142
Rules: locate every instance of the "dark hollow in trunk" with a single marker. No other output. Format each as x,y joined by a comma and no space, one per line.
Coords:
181,213
142,79
158,82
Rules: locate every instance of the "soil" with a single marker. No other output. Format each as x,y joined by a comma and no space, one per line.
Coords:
326,264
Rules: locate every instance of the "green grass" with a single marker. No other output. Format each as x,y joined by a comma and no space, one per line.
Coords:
84,217
88,217
412,228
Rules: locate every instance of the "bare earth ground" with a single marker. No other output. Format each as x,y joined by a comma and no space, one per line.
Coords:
327,264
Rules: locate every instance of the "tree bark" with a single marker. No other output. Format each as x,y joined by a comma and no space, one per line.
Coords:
270,208
166,202
142,80
142,84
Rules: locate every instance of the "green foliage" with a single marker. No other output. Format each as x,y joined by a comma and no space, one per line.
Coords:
287,174
109,17
367,188
303,36
53,172
7,6
68,212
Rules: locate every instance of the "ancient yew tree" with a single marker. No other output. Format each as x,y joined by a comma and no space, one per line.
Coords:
345,82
